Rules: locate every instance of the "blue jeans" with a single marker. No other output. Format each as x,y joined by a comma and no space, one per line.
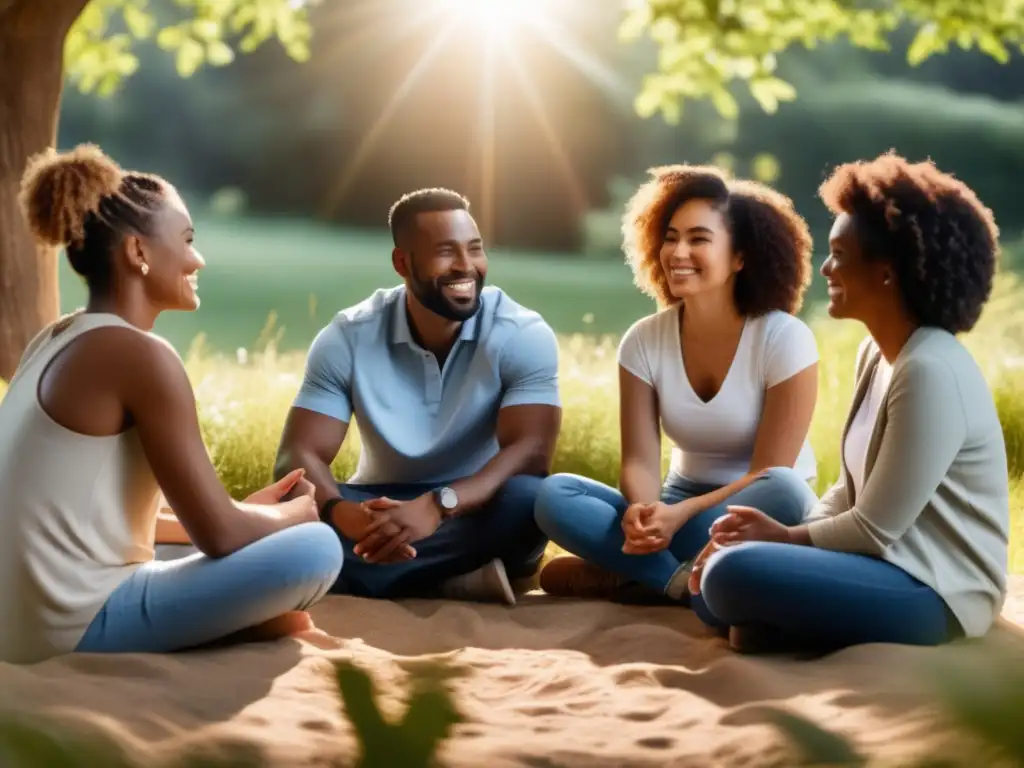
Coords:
818,597
503,528
172,606
584,517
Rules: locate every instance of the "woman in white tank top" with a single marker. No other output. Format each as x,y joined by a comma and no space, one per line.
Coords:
99,425
725,369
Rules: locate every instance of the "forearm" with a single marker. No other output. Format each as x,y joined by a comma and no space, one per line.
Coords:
528,456
318,472
699,504
639,484
169,529
255,522
800,535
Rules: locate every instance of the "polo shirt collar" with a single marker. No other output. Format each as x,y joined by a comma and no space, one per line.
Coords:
401,333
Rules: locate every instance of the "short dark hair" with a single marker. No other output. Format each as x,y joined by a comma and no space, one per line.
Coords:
941,241
773,238
83,201
403,213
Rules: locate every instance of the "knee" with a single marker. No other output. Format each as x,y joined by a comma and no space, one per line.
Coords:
318,553
554,493
730,577
788,497
518,496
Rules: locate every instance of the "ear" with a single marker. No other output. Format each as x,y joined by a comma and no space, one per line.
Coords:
888,277
135,254
737,262
400,262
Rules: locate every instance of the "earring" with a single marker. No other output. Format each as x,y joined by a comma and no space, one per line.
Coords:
145,269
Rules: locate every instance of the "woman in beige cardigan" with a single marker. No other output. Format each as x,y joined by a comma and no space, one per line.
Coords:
910,545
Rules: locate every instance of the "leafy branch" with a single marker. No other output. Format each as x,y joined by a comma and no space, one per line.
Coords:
706,46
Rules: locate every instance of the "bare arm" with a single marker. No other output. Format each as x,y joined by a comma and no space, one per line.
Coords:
785,421
169,529
156,392
311,441
527,435
640,433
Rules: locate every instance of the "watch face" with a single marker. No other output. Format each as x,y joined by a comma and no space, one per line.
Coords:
449,500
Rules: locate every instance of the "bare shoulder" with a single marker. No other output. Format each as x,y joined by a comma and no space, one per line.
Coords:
129,359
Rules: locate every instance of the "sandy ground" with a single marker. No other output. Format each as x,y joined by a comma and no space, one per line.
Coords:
545,683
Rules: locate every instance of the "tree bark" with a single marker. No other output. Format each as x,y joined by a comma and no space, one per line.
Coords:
32,34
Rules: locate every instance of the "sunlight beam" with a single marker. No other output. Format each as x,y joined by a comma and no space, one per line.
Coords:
576,192
369,141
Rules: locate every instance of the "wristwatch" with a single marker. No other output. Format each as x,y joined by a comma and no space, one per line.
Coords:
447,499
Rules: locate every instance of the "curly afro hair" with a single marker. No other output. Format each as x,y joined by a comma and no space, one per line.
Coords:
82,201
765,228
941,241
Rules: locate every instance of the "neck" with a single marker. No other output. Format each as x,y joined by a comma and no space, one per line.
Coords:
711,313
432,332
131,306
891,334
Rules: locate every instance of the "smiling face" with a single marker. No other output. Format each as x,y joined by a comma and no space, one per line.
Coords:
696,254
171,278
445,264
859,288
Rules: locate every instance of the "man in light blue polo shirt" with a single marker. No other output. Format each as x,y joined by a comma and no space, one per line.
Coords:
454,388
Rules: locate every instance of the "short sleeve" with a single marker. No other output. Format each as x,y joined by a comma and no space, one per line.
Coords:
790,349
327,383
633,352
529,367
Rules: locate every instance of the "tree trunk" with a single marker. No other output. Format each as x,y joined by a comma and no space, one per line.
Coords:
32,34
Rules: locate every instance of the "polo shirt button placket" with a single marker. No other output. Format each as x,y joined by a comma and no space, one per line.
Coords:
433,377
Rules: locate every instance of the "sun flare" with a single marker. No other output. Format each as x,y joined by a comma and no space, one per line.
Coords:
499,16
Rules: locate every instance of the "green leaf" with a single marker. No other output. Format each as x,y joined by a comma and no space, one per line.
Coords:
815,745
725,103
769,91
190,57
219,53
139,22
925,43
206,30
171,38
45,743
648,101
991,45
765,168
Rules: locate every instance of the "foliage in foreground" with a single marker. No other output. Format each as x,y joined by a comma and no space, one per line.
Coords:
983,706
413,742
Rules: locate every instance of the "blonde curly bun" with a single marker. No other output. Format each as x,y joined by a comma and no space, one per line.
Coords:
60,190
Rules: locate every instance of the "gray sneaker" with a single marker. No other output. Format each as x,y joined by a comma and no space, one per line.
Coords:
487,584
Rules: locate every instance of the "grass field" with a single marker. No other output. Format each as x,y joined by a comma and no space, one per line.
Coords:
304,274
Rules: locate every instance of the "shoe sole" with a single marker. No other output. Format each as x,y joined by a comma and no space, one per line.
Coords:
503,583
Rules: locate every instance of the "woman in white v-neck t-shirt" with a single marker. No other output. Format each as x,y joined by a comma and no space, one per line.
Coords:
855,446
726,370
